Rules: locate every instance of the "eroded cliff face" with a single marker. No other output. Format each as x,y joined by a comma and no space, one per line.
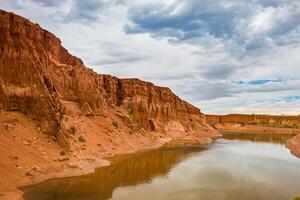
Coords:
49,96
151,107
39,78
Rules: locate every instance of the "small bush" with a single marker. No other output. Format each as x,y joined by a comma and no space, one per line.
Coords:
81,139
130,113
115,125
272,121
264,122
252,122
72,130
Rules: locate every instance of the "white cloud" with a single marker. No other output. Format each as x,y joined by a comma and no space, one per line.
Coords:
198,48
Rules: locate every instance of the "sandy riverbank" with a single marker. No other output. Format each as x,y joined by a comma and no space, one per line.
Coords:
25,164
28,156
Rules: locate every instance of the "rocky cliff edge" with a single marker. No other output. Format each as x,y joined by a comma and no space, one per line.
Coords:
48,97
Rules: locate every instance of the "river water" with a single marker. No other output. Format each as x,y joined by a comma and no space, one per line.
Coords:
236,167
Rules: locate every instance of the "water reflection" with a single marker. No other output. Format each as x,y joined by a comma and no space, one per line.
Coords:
243,167
127,170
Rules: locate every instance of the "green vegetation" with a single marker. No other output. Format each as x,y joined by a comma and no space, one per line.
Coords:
72,130
273,123
130,114
115,125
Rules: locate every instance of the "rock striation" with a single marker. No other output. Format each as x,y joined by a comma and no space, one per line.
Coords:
284,121
41,79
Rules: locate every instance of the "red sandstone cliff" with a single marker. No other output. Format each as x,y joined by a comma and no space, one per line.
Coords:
47,95
39,78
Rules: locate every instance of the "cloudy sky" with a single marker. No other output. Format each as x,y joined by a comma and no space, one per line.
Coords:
224,56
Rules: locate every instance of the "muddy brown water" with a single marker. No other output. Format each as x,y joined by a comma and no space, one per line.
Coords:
236,167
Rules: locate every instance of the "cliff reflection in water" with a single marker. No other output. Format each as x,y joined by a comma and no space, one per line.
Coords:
127,170
261,137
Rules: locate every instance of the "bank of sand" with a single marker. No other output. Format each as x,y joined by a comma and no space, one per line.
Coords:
28,156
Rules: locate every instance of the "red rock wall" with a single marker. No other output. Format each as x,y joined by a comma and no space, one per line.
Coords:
150,105
25,85
213,119
239,118
38,77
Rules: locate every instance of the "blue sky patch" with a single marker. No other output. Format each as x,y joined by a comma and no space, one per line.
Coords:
291,98
258,82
